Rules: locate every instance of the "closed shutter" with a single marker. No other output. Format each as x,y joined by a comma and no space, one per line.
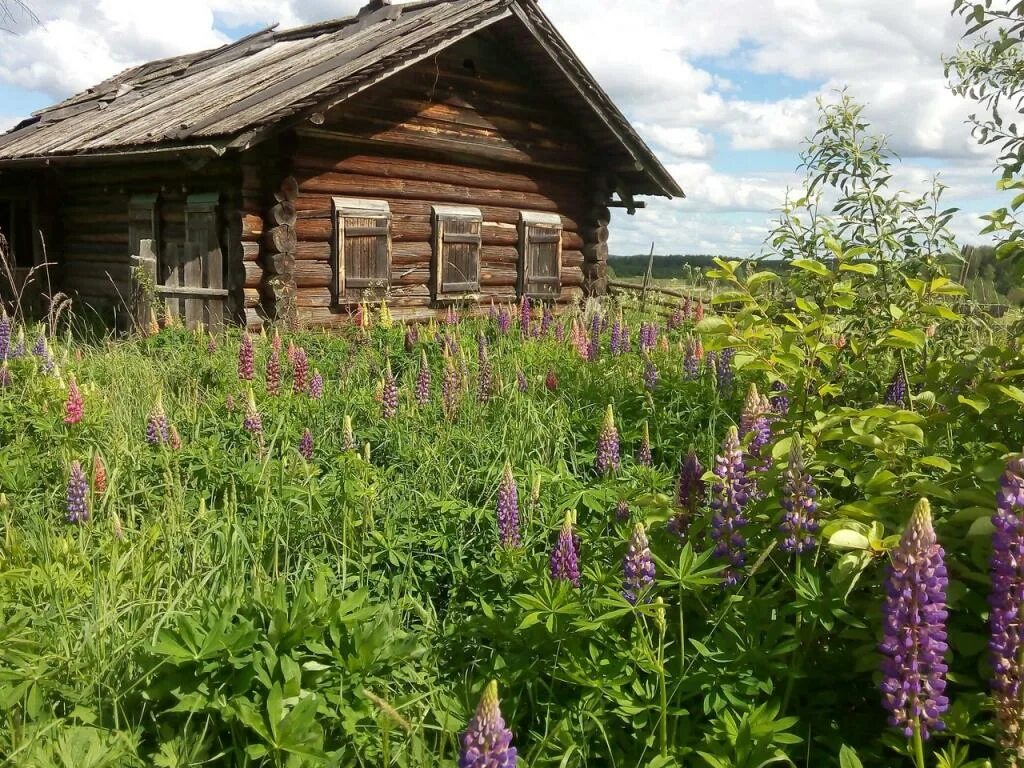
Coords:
362,248
457,233
540,254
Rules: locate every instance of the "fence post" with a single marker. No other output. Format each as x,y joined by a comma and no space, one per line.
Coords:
143,283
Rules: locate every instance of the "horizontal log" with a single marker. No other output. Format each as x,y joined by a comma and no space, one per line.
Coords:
251,297
251,251
253,319
572,258
252,226
253,274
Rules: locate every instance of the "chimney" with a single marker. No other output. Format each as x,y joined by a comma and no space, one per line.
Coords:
373,5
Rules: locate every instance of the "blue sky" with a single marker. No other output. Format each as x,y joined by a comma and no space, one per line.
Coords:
724,92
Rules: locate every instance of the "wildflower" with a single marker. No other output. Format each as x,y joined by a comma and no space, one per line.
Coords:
676,320
274,371
579,340
525,313
290,354
77,502
559,333
42,350
153,327
451,317
74,405
896,394
211,344
487,743
389,399
615,344
5,375
115,524
730,493
650,374
19,345
410,339
594,346
698,311
551,380
245,358
173,438
5,334
691,363
316,385
492,312
1006,620
690,491
648,336
450,388
565,562
423,380
643,453
624,342
914,630
306,445
779,400
622,512
99,475
637,566
300,371
798,499
508,509
484,381
229,403
663,343
348,441
252,422
384,316
504,321
275,342
608,444
546,318
724,371
157,429
521,381
755,420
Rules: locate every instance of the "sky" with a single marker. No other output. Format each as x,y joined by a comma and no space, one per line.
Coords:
723,91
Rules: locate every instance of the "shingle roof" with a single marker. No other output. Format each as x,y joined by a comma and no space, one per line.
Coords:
224,97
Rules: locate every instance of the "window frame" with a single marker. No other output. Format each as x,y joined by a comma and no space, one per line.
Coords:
440,214
539,219
343,208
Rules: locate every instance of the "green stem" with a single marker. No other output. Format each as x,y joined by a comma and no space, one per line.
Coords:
794,657
664,696
918,746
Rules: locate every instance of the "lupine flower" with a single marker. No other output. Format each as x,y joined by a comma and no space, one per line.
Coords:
423,380
565,561
492,313
663,343
1006,618
914,630
690,491
615,344
521,381
451,317
648,336
676,320
650,374
42,350
39,348
74,405
275,342
157,429
252,422
546,318
389,402
384,316
756,419
19,345
5,334
246,358
274,371
173,438
316,385
116,526
484,379
229,403
300,371
698,312
306,445
504,321
622,511
487,743
551,380
800,522
687,308
637,566
624,342
608,445
77,500
360,317
99,475
594,346
290,354
463,369
525,315
691,364
724,371
779,400
410,339
5,375
643,453
559,332
896,394
730,493
348,440
579,339
508,509
450,388
211,344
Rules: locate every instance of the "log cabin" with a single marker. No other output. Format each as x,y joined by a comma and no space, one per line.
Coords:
421,153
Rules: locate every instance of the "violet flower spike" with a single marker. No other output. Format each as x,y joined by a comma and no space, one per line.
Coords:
643,453
565,562
316,385
731,491
650,374
246,358
799,523
637,566
779,400
914,631
5,334
508,509
157,427
690,492
252,422
77,500
274,371
521,381
608,445
1006,617
300,371
487,743
896,393
306,445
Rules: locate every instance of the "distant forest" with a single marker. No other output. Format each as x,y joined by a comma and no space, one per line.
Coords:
989,280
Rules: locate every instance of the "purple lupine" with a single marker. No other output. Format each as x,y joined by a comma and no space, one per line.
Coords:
643,452
274,372
246,356
559,332
252,422
306,445
690,492
730,493
450,388
914,630
39,348
615,345
42,350
77,500
5,334
896,393
608,445
492,313
508,509
525,313
481,348
779,398
157,428
423,380
487,743
300,370
316,385
676,320
637,566
547,317
624,342
1006,619
691,363
648,336
756,420
594,345
650,374
484,379
19,345
799,500
504,321
389,398
724,371
565,560
622,512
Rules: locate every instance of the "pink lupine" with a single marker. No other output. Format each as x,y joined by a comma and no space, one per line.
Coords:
74,406
246,358
300,371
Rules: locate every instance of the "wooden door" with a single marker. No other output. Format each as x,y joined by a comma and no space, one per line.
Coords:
192,285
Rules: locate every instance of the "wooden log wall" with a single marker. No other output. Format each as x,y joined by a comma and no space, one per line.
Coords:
464,129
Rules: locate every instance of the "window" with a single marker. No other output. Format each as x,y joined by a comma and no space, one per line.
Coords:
16,228
457,232
540,254
362,248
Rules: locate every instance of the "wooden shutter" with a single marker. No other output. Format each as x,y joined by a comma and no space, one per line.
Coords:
142,221
362,248
540,254
201,267
457,232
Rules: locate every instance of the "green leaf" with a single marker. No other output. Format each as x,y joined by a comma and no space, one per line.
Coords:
847,539
812,266
914,339
861,268
848,758
979,403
